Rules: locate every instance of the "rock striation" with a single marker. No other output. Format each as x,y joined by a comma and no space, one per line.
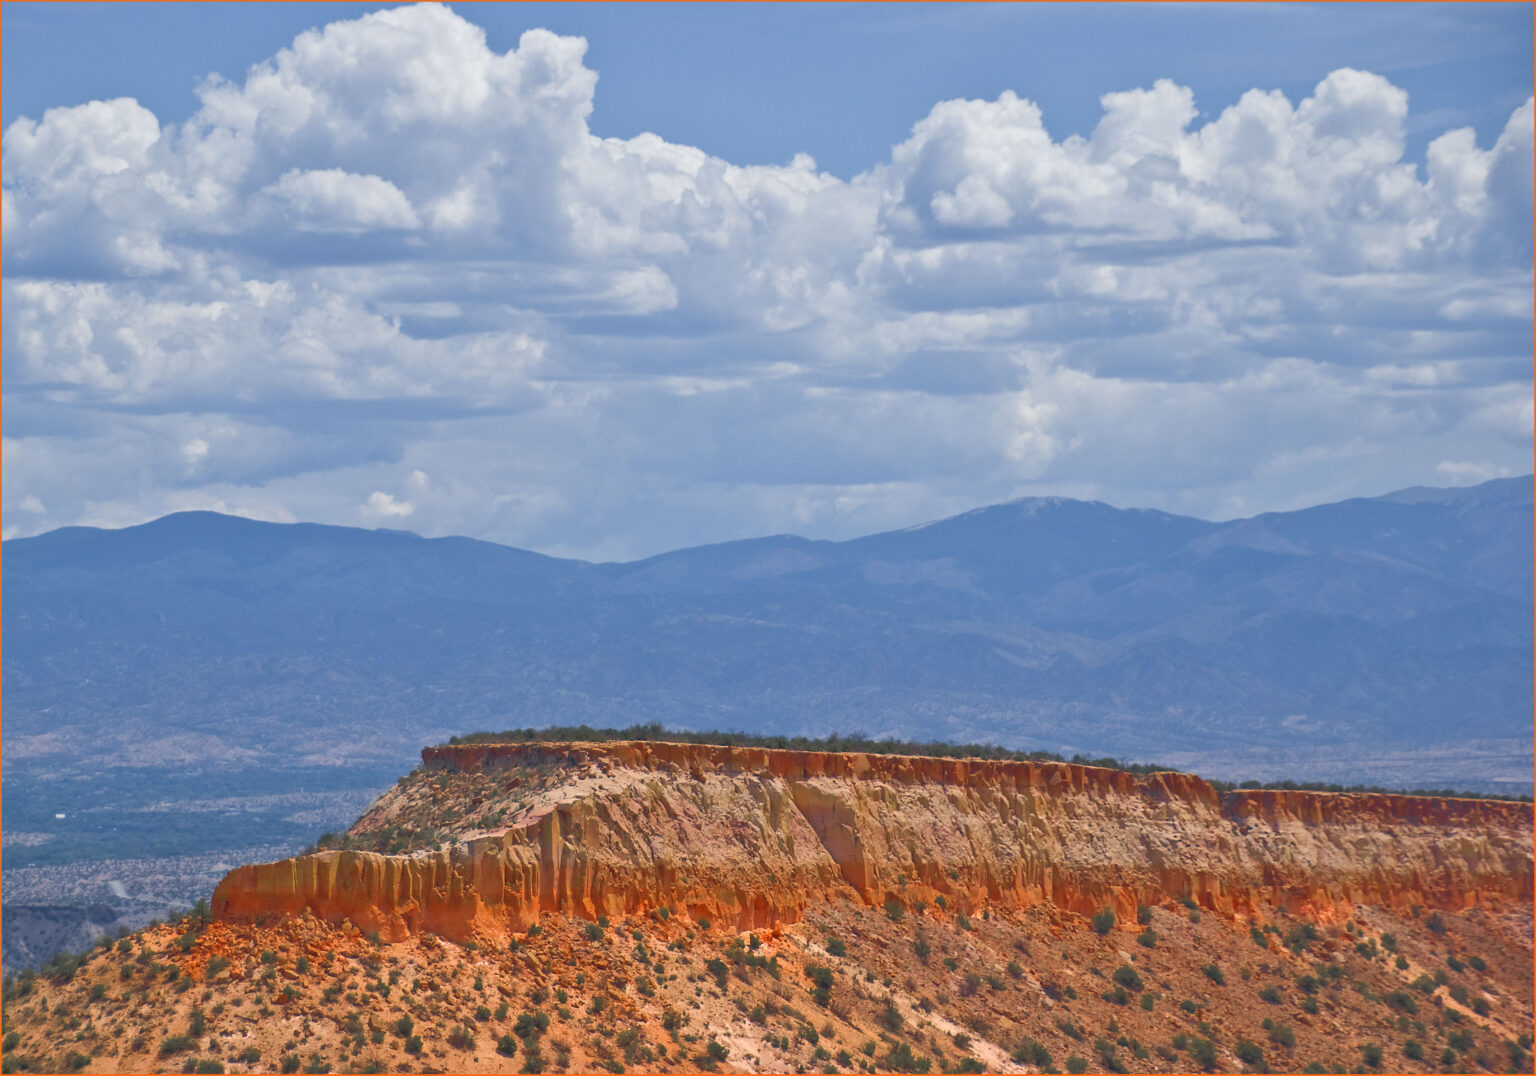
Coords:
751,837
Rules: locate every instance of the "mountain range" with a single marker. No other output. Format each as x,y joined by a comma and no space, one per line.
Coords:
1384,639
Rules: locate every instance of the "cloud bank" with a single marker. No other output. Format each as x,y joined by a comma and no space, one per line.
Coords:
392,278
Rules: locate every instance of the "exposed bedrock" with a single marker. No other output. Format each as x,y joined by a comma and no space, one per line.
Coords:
750,837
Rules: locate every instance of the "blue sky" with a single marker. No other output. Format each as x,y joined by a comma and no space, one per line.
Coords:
673,274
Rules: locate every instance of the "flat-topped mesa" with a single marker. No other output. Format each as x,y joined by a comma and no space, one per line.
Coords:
750,837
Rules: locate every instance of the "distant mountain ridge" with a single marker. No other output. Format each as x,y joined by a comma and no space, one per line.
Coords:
1379,639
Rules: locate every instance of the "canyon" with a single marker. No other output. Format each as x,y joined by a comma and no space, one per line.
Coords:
752,837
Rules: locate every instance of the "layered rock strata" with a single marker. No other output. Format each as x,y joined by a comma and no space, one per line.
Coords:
751,837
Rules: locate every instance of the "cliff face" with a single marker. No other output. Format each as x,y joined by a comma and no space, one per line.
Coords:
751,837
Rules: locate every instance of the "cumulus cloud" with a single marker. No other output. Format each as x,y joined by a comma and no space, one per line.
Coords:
330,200
383,505
392,252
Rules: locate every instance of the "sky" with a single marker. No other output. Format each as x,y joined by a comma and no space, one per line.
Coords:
606,280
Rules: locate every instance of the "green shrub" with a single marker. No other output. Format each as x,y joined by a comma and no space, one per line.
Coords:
1033,1053
462,1037
1298,939
1147,938
835,947
1104,922
1076,1064
1143,914
290,1063
413,1044
530,1025
175,1044
1370,1053
900,1058
1272,995
1282,1035
1126,976
1258,937
1116,995
1249,1053
1478,963
1203,1053
821,976
1213,973
1148,1001
1389,942
1413,1050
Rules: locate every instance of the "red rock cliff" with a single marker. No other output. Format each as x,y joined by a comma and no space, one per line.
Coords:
750,836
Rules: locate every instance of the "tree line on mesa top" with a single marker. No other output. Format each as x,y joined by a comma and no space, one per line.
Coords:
859,743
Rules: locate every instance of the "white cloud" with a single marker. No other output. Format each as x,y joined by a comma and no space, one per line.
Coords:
391,251
1466,473
330,200
384,505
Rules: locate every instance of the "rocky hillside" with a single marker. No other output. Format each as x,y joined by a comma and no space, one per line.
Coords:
667,907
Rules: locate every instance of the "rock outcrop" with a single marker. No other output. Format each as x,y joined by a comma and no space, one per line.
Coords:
751,837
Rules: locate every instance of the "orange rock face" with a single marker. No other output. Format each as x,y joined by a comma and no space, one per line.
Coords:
751,837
